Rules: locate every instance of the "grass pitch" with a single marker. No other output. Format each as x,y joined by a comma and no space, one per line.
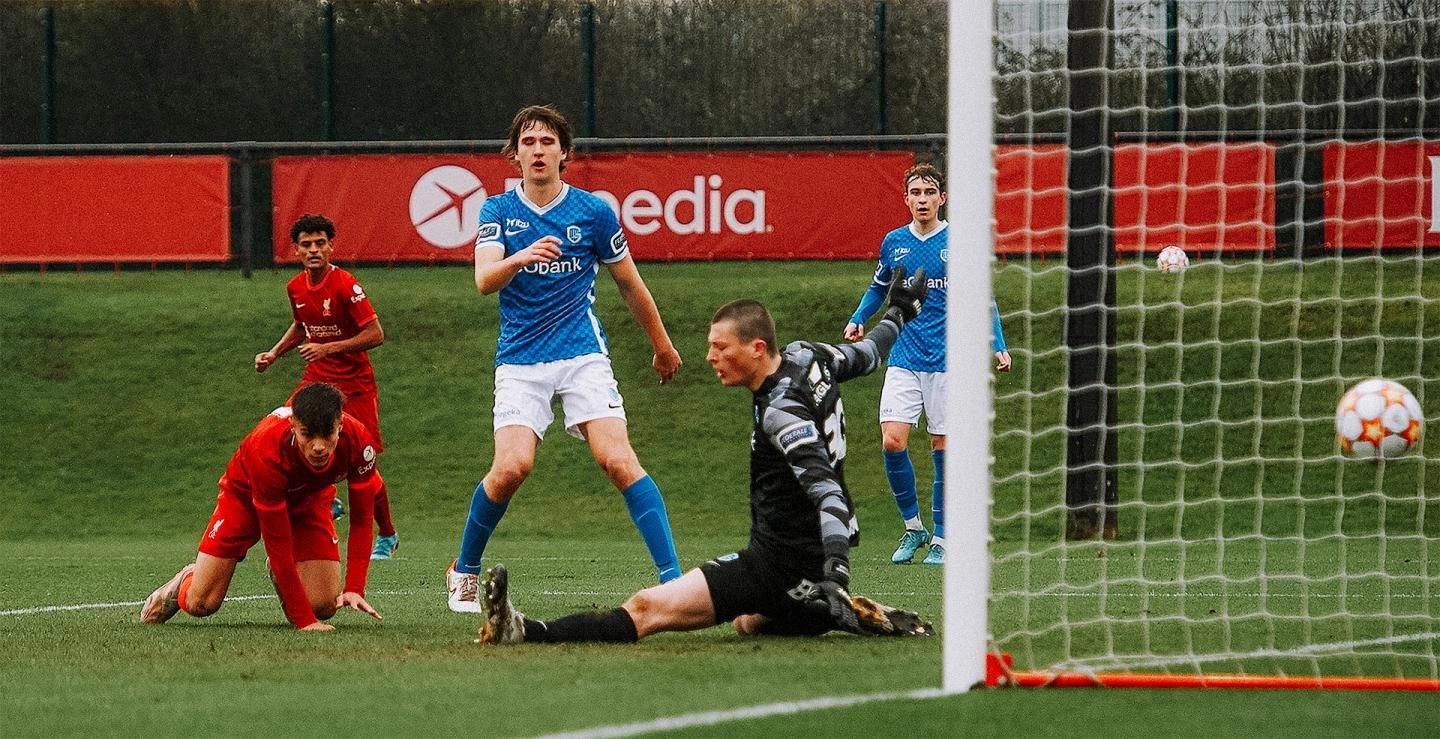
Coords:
124,395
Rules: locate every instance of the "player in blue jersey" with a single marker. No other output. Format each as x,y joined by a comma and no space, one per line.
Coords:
540,247
915,379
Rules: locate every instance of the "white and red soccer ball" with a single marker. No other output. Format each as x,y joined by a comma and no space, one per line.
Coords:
1378,419
1172,260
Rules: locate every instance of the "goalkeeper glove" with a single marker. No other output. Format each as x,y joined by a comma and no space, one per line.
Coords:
907,297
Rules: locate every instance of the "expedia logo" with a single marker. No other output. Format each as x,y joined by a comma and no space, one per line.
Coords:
445,206
706,208
557,267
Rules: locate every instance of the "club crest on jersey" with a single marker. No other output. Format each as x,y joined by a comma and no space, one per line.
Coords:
573,233
945,254
326,306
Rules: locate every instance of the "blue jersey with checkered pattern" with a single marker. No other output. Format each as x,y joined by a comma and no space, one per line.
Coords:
921,346
547,311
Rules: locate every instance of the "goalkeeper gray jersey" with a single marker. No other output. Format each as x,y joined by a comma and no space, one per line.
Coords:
799,505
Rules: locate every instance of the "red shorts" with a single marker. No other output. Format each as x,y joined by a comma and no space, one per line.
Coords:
234,529
364,405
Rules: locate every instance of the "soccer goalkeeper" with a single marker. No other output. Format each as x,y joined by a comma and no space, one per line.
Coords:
793,577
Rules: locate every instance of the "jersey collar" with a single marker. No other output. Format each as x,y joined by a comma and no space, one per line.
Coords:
520,193
941,229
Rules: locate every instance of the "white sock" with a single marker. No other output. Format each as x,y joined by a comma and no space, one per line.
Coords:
914,524
937,542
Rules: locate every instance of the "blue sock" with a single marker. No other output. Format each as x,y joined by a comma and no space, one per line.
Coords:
937,494
647,510
901,475
484,516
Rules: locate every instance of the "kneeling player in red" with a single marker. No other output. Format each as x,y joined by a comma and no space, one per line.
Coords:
278,487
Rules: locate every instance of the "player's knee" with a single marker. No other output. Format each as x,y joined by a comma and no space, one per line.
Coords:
204,605
893,443
323,611
621,466
643,609
505,478
748,625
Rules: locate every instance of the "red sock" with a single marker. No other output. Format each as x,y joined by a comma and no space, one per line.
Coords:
185,590
382,512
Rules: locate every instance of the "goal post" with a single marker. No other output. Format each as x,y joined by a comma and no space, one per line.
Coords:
968,267
1292,153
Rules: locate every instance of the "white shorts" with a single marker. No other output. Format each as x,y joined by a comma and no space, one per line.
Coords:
525,393
906,393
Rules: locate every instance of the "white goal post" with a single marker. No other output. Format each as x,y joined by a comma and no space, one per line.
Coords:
1155,495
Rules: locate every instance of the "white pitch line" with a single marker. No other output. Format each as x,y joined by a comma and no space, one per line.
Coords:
133,603
710,718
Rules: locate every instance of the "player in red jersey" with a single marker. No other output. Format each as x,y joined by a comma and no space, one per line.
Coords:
334,325
277,488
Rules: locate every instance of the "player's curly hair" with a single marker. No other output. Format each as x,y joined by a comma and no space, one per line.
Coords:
545,115
317,407
752,321
311,223
925,171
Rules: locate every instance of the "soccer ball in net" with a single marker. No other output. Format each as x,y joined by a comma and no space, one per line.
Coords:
1378,418
1172,260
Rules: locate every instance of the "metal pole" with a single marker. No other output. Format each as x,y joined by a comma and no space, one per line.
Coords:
1172,61
47,75
1090,494
587,69
327,71
881,109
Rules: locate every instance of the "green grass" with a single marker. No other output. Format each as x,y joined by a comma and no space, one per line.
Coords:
123,396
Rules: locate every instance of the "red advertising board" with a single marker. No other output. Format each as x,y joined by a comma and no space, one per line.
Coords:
1206,196
1381,194
1030,199
678,206
114,209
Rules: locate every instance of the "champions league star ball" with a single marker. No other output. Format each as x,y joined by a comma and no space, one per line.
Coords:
1172,260
1378,419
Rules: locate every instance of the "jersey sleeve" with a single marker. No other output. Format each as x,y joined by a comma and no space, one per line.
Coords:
613,246
489,235
358,303
874,295
364,483
849,361
792,427
267,492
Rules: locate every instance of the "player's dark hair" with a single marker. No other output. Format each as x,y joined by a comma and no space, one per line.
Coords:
538,114
925,172
751,321
317,407
311,223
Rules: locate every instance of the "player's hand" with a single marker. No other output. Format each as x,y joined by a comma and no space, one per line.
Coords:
357,601
854,331
832,598
320,626
313,352
908,296
263,360
666,363
545,249
1002,361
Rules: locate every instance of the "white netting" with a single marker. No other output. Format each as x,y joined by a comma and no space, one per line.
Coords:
1288,150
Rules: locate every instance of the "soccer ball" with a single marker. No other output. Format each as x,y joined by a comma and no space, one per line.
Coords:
1172,260
1378,418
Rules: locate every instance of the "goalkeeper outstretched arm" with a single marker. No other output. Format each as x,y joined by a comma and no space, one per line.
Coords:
865,356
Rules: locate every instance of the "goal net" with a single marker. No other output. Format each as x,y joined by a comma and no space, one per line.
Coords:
1168,493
